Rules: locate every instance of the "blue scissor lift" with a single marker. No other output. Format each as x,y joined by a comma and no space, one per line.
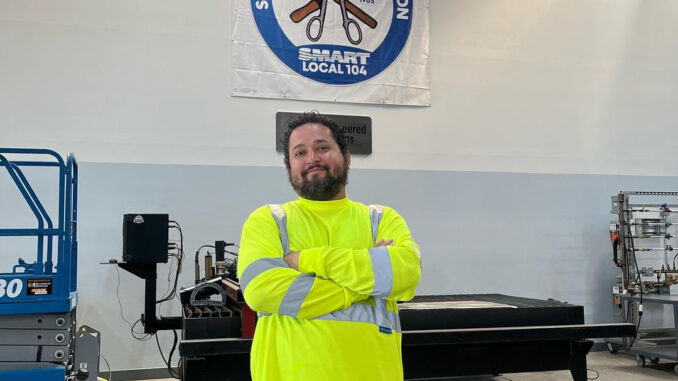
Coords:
38,298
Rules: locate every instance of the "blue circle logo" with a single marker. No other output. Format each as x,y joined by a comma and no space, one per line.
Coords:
339,42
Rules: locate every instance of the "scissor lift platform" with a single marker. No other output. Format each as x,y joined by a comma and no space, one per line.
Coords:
38,297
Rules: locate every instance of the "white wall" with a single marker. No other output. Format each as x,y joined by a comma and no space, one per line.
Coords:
560,86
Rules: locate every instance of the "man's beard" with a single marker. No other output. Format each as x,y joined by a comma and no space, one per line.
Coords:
320,188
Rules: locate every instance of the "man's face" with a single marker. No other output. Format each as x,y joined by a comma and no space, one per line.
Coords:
318,170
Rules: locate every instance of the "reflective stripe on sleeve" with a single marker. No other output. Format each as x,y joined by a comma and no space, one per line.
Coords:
383,318
295,295
281,220
365,313
360,313
376,212
257,267
383,272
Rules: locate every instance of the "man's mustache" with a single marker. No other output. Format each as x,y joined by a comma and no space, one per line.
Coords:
305,171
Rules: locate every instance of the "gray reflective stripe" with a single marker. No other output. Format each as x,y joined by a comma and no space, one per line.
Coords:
365,313
383,272
259,266
281,220
376,212
360,313
295,295
383,276
381,313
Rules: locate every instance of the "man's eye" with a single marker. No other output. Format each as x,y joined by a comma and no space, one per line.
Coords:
299,153
323,148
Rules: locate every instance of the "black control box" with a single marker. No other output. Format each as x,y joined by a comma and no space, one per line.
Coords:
144,238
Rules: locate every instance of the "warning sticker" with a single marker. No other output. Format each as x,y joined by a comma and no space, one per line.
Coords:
39,286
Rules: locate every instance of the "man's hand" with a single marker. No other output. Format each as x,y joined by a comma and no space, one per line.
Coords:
292,260
388,242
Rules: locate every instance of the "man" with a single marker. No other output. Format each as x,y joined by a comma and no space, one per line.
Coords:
325,272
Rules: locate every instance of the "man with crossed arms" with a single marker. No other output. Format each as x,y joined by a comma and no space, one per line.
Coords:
323,272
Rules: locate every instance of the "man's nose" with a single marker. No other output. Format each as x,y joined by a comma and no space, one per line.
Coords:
313,157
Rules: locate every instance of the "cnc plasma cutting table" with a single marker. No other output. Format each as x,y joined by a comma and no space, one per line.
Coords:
456,335
487,334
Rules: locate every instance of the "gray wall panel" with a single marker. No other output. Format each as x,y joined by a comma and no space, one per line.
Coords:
533,235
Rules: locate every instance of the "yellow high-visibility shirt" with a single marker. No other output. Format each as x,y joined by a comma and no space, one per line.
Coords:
336,318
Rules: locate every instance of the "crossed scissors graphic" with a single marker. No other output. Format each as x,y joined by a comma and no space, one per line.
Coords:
347,22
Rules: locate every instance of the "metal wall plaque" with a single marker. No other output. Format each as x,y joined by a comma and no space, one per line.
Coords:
357,130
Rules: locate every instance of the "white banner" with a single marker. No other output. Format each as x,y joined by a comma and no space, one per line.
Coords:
362,51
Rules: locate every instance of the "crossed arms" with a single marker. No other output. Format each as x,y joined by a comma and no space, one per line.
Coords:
317,281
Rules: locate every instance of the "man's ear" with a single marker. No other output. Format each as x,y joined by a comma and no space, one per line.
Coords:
347,159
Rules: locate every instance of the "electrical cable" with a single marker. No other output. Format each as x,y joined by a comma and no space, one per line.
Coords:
180,366
117,295
157,341
592,370
110,373
640,306
145,337
172,295
175,225
231,252
635,260
197,252
181,235
131,326
628,252
174,346
169,365
169,276
169,282
629,238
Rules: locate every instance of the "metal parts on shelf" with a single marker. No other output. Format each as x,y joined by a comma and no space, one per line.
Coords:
642,228
644,248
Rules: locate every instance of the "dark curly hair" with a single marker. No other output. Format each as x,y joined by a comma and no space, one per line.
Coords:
312,117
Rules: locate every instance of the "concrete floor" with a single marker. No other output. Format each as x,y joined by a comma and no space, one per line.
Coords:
619,367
